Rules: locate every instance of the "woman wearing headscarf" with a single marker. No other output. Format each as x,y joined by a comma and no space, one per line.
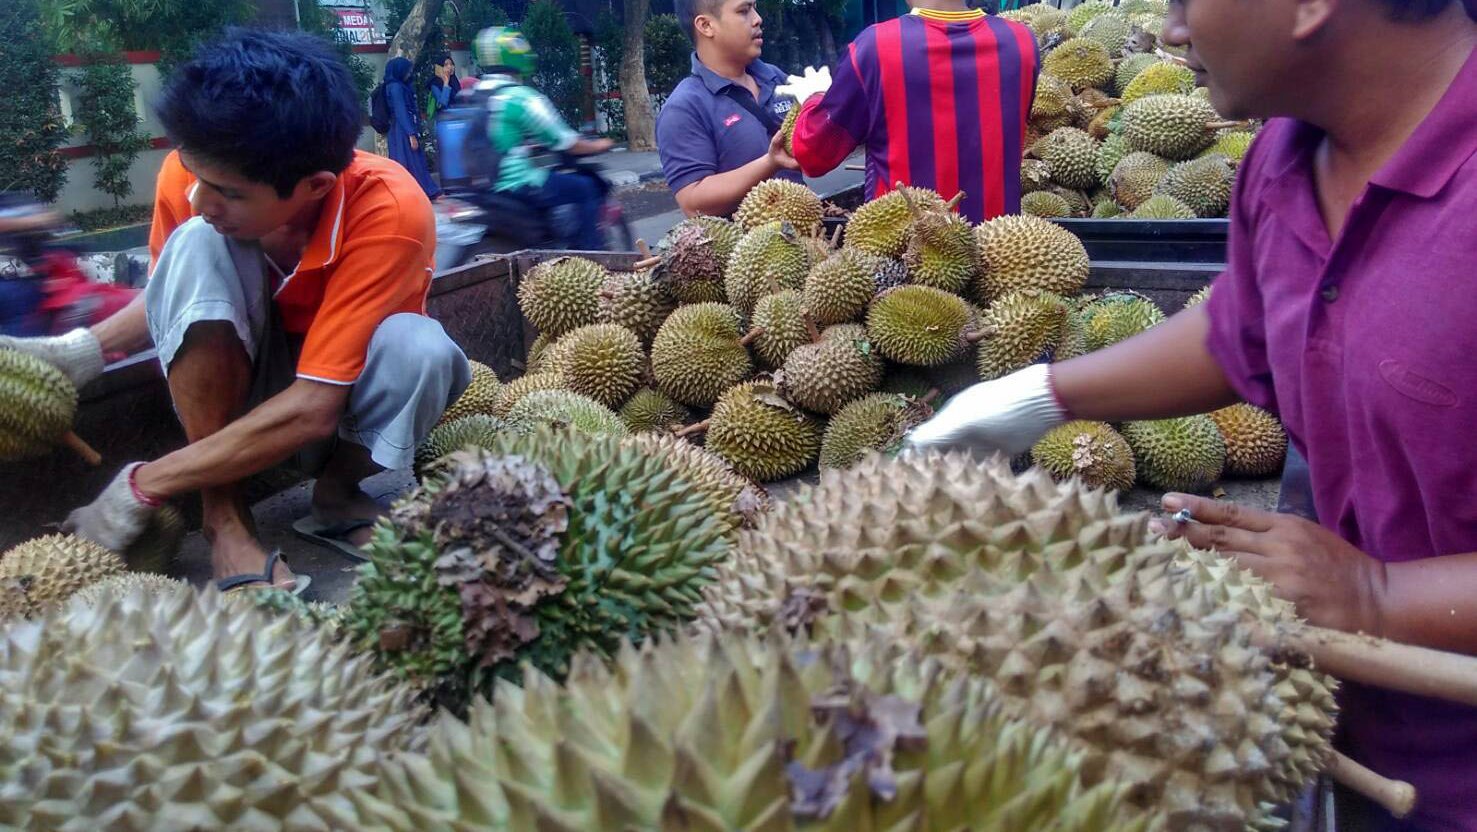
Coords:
403,139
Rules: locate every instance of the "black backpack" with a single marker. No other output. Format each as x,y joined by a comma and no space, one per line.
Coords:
379,110
465,155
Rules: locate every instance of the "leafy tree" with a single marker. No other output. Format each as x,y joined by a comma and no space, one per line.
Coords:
31,128
558,73
105,112
174,27
667,54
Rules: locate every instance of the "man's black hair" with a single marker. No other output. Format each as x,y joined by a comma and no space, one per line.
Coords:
273,106
440,58
688,10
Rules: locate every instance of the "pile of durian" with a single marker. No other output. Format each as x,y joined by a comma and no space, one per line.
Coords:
1118,127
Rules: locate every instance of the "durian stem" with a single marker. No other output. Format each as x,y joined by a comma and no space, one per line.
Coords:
645,264
933,393
835,237
1374,661
811,329
753,334
645,249
978,336
694,429
954,203
82,449
1397,796
903,189
1227,125
1174,59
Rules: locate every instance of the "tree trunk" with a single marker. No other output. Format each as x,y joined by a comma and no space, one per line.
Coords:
640,120
410,38
827,36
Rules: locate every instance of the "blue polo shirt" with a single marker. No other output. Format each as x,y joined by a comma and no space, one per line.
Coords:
702,131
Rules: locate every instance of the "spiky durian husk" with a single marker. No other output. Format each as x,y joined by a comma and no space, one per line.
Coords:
563,409
1090,451
1029,253
538,354
1203,184
49,570
637,301
1053,106
1172,126
1087,623
1072,156
562,294
159,710
475,431
875,422
1045,205
942,252
1083,13
694,254
919,325
770,258
149,582
652,410
513,391
39,405
1129,69
717,733
779,319
546,544
696,355
881,226
1185,454
1198,298
1161,78
1256,443
838,288
1021,328
1111,30
1080,62
1110,153
733,498
1112,318
1231,144
480,396
1162,207
787,127
602,361
761,434
1136,177
779,200
841,367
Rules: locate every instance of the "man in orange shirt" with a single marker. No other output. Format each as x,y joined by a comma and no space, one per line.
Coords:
286,304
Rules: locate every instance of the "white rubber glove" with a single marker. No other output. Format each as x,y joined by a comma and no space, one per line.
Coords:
77,353
1008,414
116,518
803,87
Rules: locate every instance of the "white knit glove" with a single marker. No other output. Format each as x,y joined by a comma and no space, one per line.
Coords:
77,353
803,87
1008,414
116,518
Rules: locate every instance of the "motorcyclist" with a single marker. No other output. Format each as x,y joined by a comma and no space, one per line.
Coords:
521,119
43,291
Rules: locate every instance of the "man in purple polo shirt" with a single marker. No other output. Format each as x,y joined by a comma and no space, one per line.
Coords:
1349,308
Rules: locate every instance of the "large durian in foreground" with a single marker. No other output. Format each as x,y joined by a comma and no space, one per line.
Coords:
49,570
726,733
37,405
1085,622
170,710
543,545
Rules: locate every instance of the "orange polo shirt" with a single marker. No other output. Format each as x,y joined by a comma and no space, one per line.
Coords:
371,256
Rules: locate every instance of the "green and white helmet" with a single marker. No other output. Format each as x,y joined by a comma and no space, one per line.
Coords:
504,48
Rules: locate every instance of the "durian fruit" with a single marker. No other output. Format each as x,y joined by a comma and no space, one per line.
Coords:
1185,454
919,325
875,422
1035,176
156,549
787,127
538,354
736,501
1129,69
1111,30
1090,103
771,257
1231,144
1198,298
1021,253
694,255
563,409
1203,185
637,301
174,710
1161,78
40,403
650,410
1083,13
1074,611
1162,207
1135,178
1021,328
942,251
779,327
480,396
1080,62
602,361
1090,451
562,294
1077,201
1116,317
49,570
697,354
324,616
1106,209
1173,126
1100,127
1045,205
546,544
824,376
780,200
1072,156
513,391
151,583
881,226
1054,105
477,431
722,732
838,289
761,434
1256,443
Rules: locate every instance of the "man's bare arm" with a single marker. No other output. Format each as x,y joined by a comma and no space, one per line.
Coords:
720,194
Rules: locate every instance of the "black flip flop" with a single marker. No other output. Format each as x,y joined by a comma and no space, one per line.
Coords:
299,582
333,536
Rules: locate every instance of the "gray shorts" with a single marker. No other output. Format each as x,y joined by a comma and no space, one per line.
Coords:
412,372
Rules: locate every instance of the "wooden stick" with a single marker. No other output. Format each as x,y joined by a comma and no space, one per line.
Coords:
954,203
1174,59
811,329
978,335
753,334
1374,661
1226,125
835,236
82,449
695,428
1397,796
645,249
933,393
645,264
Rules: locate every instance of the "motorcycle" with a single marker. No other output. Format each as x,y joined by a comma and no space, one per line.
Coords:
43,291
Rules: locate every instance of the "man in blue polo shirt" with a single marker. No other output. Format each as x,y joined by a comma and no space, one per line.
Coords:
717,132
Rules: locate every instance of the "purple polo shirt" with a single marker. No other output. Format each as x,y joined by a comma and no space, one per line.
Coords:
1367,348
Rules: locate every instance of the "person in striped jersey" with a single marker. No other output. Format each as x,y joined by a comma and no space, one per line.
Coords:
938,98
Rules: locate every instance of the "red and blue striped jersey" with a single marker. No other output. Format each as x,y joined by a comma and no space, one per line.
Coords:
937,104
